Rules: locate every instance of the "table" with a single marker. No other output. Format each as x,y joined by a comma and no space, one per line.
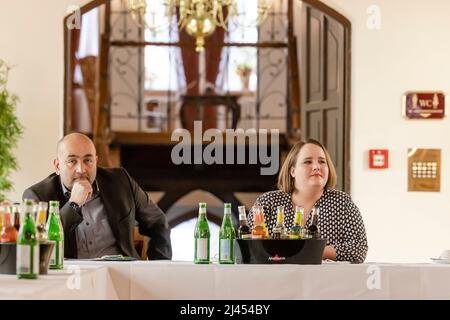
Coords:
185,280
91,282
199,101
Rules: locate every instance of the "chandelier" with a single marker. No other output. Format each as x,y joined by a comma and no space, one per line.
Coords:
198,17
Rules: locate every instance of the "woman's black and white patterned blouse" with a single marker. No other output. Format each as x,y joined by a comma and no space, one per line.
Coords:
339,221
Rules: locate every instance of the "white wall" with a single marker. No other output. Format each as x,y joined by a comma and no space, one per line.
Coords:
409,52
31,38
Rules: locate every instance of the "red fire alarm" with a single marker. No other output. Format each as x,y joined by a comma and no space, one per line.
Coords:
378,159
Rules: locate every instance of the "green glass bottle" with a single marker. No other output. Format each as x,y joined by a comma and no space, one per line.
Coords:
27,263
56,234
226,237
202,236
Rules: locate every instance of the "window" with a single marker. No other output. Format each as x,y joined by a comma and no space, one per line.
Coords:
89,40
161,61
244,31
182,238
160,68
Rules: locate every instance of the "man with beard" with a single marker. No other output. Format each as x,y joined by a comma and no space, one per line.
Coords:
99,206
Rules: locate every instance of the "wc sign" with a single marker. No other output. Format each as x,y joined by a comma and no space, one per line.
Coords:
424,105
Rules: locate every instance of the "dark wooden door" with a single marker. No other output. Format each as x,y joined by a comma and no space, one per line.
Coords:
325,84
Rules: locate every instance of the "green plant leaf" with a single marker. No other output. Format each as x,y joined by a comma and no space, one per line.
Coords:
11,131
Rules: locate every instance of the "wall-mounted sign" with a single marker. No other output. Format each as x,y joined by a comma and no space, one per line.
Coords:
378,158
424,169
424,105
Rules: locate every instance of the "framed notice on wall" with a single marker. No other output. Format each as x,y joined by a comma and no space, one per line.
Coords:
424,169
424,105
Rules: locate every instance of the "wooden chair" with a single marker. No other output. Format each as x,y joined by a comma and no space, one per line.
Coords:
140,243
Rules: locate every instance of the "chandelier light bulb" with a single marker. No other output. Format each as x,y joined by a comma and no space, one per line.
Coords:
198,17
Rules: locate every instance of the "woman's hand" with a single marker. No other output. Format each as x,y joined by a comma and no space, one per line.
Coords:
329,253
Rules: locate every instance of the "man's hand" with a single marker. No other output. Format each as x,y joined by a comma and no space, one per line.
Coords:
81,192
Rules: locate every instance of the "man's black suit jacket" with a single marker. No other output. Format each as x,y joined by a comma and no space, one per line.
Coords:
125,202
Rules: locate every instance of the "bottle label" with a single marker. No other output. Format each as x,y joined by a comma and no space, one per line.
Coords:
27,261
202,249
246,236
57,256
225,249
61,252
53,256
23,259
36,253
295,232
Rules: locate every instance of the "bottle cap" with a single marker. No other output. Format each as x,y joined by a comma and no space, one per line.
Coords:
54,203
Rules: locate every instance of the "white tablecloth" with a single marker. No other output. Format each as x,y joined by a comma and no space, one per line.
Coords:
88,282
185,280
